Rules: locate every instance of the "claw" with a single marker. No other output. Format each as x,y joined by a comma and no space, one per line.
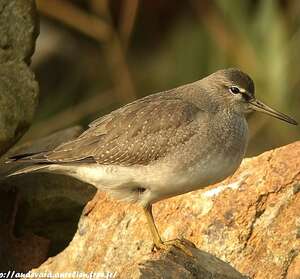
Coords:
177,243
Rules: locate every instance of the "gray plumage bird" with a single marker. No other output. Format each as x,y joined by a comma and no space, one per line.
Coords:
163,145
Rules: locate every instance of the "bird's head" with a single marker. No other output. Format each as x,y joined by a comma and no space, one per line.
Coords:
237,92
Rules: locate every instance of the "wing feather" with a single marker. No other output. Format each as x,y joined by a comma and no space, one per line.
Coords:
138,133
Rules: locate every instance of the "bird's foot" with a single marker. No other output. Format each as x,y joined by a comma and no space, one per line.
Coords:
180,244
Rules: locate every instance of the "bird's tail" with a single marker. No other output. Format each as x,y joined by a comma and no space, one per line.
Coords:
25,163
34,168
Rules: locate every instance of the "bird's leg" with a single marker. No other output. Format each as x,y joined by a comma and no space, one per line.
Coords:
153,229
158,243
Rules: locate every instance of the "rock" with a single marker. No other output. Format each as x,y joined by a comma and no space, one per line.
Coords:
38,212
17,102
19,90
251,220
293,271
18,253
18,30
176,264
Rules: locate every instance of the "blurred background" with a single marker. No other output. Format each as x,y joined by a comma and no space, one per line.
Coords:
92,56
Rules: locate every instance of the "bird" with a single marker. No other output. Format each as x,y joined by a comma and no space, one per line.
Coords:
162,145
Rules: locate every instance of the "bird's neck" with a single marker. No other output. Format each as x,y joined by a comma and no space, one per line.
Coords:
198,95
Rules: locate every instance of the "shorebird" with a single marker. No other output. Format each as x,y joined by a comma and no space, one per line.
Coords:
162,145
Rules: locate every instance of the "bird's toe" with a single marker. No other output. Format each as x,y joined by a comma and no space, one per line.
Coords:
181,244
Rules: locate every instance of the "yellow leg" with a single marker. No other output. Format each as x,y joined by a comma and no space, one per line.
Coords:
158,243
154,232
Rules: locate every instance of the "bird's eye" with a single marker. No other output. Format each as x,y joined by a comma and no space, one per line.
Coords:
234,90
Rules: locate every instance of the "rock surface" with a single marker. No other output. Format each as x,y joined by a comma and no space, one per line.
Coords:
19,90
251,220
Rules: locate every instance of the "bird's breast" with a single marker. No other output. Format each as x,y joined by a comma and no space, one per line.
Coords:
226,145
207,159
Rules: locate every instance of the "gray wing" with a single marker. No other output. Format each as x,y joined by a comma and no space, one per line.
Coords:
138,133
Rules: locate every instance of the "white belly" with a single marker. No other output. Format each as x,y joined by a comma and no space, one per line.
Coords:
166,183
160,182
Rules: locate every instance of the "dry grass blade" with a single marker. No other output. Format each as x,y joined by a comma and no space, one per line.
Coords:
99,30
115,56
128,17
100,7
72,16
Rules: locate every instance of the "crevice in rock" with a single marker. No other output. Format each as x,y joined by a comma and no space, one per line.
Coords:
291,256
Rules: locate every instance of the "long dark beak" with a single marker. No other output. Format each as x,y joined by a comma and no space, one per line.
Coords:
259,106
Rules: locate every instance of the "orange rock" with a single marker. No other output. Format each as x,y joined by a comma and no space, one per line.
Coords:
251,220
